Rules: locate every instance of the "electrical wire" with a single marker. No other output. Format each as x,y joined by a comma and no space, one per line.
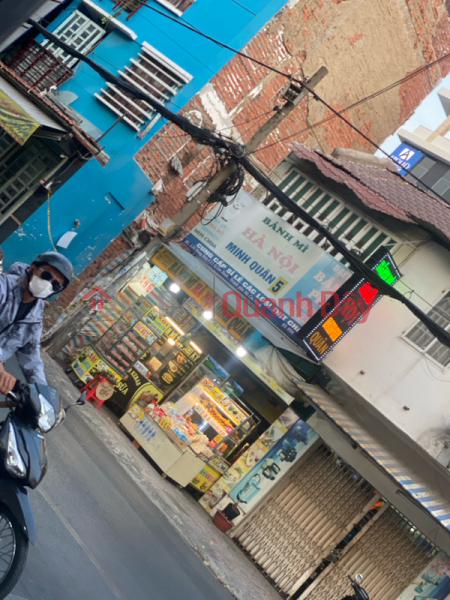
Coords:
222,129
203,136
358,266
303,84
228,150
49,221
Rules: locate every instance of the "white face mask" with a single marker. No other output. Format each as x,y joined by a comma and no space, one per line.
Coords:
39,288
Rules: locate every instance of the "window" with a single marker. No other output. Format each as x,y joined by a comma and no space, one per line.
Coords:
152,73
421,337
180,5
356,231
422,168
38,66
132,6
77,31
21,169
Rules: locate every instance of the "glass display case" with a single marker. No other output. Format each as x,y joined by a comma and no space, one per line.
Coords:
125,342
213,408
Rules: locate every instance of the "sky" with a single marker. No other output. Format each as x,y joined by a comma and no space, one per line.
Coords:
429,114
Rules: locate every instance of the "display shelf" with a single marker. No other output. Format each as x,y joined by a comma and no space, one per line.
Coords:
222,409
207,416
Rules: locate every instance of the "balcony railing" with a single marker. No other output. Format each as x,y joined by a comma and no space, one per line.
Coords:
133,6
38,66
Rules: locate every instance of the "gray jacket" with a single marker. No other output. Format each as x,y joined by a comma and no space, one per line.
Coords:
21,338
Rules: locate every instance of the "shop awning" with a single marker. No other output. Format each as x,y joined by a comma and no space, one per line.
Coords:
263,325
19,116
432,502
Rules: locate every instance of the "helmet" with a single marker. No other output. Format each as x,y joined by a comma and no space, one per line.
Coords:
58,261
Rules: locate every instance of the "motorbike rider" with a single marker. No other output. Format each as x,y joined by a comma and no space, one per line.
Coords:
23,291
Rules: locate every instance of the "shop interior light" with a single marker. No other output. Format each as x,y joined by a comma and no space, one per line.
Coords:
197,348
241,351
207,315
174,287
175,326
171,342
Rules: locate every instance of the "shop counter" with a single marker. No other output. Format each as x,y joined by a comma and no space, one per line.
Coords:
170,453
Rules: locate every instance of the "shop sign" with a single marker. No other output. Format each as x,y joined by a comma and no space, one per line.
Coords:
268,471
146,333
347,307
157,324
205,297
88,364
205,479
104,391
281,272
133,387
15,120
86,360
165,372
406,158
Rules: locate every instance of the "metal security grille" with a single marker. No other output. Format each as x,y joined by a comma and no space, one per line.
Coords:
348,225
152,73
77,31
181,5
420,336
21,169
291,534
390,552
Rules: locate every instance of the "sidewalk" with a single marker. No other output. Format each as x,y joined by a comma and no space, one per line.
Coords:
231,567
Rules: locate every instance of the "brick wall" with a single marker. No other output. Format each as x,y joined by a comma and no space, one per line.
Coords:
366,45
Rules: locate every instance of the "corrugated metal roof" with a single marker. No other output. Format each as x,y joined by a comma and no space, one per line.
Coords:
432,501
29,107
94,148
383,190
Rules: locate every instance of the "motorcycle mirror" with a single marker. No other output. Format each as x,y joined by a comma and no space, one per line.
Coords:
359,578
81,400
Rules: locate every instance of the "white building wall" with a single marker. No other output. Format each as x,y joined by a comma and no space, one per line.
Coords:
384,368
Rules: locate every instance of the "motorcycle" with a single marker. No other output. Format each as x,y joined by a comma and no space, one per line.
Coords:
359,592
35,410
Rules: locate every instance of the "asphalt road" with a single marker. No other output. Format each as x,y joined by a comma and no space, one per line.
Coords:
99,537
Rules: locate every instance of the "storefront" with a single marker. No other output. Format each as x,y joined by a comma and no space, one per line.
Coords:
180,388
311,504
307,514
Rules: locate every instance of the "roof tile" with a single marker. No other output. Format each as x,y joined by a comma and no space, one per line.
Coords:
383,190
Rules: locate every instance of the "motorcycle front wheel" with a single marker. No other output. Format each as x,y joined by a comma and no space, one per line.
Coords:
13,552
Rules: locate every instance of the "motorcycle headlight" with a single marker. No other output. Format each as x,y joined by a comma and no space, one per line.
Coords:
14,462
47,416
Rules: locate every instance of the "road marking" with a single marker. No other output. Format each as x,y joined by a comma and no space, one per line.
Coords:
112,586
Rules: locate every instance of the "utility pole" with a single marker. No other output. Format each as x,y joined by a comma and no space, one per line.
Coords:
293,94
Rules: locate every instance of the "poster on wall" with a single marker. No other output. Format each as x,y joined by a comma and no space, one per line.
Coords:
253,455
433,582
89,364
265,259
267,472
